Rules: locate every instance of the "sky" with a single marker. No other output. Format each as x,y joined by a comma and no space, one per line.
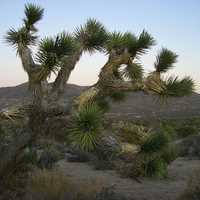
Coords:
175,24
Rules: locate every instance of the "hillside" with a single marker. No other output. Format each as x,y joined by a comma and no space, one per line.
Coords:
136,105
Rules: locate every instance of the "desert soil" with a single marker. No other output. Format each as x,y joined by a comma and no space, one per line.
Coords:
168,189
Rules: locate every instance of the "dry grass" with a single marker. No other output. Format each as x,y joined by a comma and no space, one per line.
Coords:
53,185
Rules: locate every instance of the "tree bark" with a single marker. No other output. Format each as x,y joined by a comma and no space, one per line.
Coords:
107,81
68,65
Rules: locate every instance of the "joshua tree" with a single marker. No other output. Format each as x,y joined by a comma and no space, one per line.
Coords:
60,54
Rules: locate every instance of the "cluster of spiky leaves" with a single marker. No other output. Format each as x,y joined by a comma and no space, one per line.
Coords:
155,155
92,35
121,42
20,38
165,60
86,127
53,51
171,86
176,87
25,36
133,71
33,14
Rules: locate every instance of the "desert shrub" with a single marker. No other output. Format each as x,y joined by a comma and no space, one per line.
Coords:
136,134
53,185
169,130
155,168
146,165
156,143
187,130
156,153
86,127
48,185
192,192
48,157
14,176
117,96
169,154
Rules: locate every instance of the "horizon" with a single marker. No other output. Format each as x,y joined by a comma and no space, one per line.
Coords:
178,31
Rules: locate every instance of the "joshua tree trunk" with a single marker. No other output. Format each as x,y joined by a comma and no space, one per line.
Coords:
108,82
64,74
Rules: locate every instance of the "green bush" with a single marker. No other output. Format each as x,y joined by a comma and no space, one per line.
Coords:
86,127
156,153
156,143
169,154
170,130
155,168
187,130
146,165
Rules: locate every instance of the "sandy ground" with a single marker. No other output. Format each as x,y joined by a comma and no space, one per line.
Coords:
168,189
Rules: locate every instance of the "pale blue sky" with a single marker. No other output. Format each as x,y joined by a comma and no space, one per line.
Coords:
175,24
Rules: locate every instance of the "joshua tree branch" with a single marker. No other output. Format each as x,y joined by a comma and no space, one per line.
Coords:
67,67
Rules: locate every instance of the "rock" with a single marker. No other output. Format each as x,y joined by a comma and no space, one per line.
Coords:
108,147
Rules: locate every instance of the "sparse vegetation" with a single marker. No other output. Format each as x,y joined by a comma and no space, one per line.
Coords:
140,151
53,185
135,134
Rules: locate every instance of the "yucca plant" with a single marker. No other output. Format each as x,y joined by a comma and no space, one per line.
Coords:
86,127
156,143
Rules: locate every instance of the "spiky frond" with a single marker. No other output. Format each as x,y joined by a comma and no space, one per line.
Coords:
65,44
20,38
86,127
33,14
165,60
144,43
92,35
133,71
53,50
47,52
12,114
119,42
176,87
115,41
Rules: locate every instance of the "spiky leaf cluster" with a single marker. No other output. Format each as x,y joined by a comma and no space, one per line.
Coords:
86,127
133,71
92,35
144,43
52,51
182,87
121,42
20,38
165,60
25,36
33,14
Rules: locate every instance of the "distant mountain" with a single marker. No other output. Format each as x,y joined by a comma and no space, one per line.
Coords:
136,105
